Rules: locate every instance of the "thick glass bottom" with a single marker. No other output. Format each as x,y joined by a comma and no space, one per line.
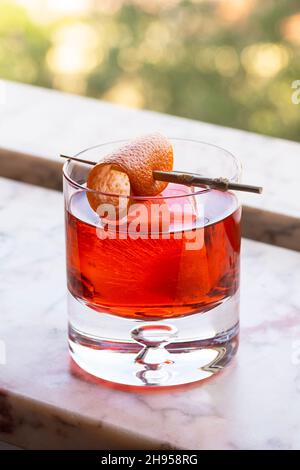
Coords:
164,353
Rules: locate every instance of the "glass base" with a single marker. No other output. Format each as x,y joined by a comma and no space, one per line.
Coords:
163,353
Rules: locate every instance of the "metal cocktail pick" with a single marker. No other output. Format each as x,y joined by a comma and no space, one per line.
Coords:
190,179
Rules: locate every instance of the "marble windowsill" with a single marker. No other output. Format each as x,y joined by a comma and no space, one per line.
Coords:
37,124
45,403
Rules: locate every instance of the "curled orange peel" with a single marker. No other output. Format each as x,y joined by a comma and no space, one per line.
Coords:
128,171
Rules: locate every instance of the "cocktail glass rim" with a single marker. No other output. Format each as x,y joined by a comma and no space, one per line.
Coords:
203,190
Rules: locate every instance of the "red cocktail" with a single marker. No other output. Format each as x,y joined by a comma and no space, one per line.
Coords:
177,286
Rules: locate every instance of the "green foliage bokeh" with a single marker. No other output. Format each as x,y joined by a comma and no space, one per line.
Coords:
185,60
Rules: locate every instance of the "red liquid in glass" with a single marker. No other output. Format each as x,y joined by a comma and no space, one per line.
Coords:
154,278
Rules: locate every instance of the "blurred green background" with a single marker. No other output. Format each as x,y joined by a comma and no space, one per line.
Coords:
229,62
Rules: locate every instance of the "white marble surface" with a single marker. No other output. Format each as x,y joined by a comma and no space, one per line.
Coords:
46,122
254,404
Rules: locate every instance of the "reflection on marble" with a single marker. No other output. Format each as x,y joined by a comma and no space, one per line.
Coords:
46,403
43,123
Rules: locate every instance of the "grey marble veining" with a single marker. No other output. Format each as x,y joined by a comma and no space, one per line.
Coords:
46,403
39,124
46,122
